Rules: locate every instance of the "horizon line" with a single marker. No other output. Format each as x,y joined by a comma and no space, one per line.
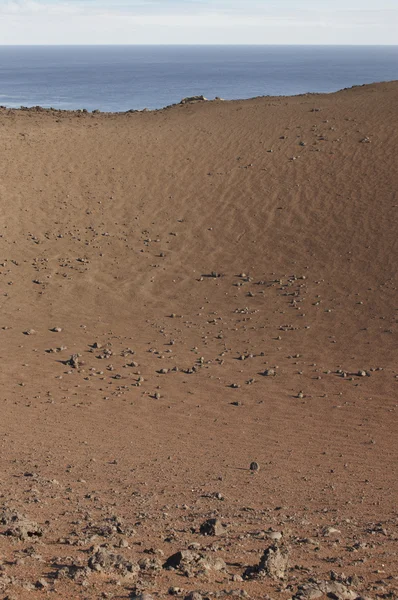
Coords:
199,44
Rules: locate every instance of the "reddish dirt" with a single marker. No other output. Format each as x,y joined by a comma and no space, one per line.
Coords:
199,247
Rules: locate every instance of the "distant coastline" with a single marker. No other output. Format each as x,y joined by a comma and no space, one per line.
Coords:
187,101
121,78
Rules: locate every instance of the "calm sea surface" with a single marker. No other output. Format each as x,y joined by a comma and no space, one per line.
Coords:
119,78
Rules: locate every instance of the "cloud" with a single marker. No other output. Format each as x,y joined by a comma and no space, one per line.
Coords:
198,21
283,10
123,7
32,7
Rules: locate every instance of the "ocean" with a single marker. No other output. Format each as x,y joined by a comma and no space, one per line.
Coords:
120,78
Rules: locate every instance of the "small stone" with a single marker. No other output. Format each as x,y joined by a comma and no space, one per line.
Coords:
56,329
274,535
309,592
254,466
212,527
74,361
193,596
269,373
175,560
330,531
174,591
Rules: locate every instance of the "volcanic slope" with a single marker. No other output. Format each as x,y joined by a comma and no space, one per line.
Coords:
183,293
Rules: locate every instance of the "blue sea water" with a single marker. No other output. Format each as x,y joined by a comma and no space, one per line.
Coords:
119,78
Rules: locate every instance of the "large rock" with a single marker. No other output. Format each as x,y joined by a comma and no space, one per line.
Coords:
308,592
331,589
274,563
193,563
101,560
338,591
179,559
193,99
18,526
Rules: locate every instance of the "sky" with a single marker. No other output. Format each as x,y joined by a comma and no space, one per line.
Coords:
366,22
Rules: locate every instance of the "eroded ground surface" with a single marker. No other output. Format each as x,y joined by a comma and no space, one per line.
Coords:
198,350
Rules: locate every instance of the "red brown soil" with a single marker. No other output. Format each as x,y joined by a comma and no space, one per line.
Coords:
191,237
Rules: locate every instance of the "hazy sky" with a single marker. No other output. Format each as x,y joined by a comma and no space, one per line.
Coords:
199,22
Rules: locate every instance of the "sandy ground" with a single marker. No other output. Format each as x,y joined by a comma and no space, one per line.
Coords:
183,293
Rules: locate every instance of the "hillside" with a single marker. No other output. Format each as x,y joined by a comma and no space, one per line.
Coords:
222,281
